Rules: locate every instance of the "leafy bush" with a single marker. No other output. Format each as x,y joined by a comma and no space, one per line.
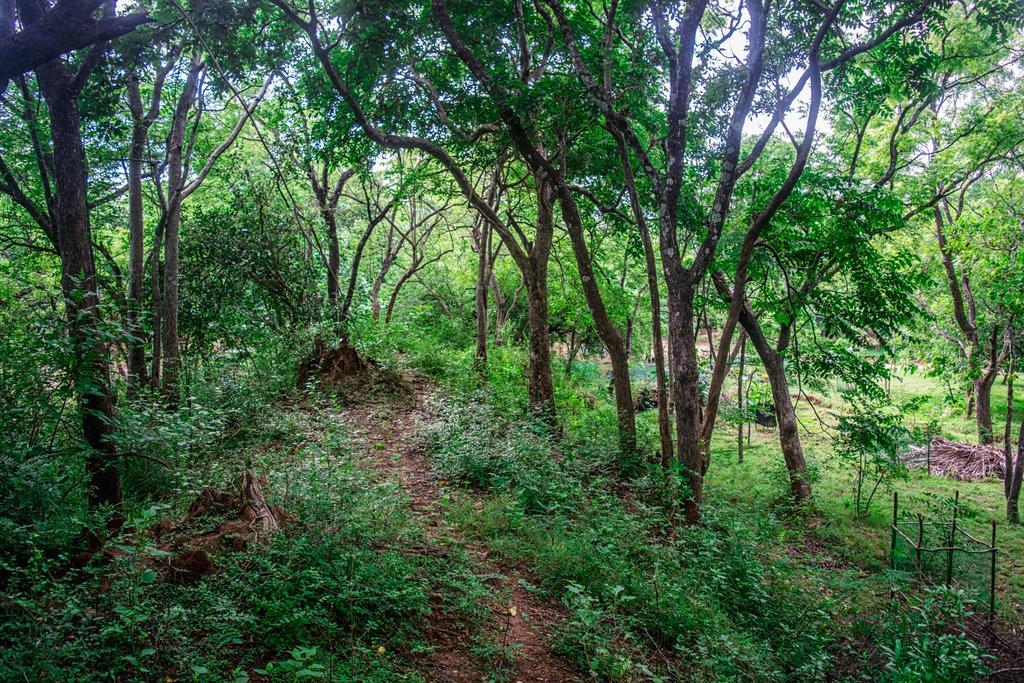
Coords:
928,643
873,437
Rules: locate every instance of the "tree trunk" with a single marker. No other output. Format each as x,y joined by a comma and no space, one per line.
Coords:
327,200
983,407
607,330
157,301
378,283
686,390
789,434
333,254
739,395
136,237
1008,431
540,388
1014,477
175,185
651,267
983,389
484,245
409,272
71,234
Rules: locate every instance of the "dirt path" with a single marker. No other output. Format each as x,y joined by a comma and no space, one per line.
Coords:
522,623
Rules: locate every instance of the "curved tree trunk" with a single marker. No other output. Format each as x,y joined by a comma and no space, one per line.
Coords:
353,275
357,257
789,434
409,272
607,330
71,236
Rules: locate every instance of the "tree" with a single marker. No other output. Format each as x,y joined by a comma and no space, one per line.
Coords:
688,65
530,255
143,117
64,218
51,31
178,185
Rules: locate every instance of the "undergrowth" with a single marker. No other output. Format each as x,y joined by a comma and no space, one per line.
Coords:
333,596
728,600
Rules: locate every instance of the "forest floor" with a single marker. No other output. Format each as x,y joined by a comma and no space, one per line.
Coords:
390,438
430,533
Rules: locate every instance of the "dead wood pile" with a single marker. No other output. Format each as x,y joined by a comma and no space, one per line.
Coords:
965,461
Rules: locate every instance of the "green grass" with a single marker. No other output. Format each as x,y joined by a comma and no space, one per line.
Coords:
866,541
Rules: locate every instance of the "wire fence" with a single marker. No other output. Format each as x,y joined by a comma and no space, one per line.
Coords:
943,552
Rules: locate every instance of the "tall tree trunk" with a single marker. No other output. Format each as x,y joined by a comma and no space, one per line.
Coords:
739,395
353,275
651,267
327,198
482,270
540,387
607,330
136,237
686,390
789,434
357,257
1012,514
172,226
156,296
71,234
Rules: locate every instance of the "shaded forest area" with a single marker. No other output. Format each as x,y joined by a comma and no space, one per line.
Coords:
524,340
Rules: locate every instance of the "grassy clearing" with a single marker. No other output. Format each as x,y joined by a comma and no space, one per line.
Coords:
866,541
